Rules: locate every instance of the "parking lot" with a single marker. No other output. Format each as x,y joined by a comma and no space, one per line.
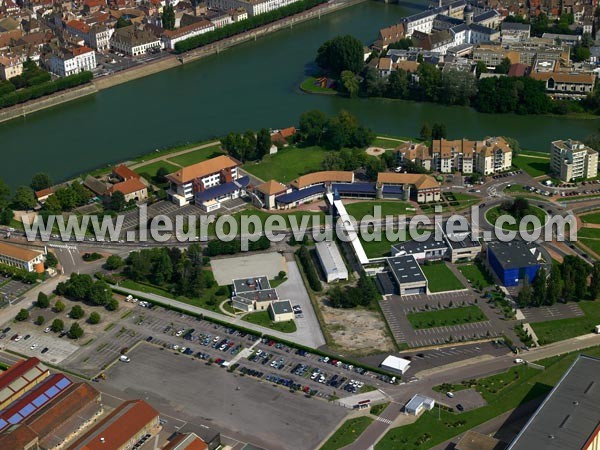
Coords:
187,388
164,208
268,264
33,341
13,291
554,312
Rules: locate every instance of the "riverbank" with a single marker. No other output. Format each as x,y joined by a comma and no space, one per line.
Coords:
170,62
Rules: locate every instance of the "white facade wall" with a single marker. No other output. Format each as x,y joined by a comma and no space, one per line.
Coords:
65,67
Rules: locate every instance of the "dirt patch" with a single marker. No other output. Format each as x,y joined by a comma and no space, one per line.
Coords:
357,331
375,151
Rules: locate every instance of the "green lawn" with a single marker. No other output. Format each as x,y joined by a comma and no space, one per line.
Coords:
446,317
187,159
288,164
558,330
388,143
311,85
475,275
464,200
388,208
440,278
592,244
378,409
206,301
533,166
348,433
263,319
493,214
591,218
151,169
502,392
593,233
380,248
288,217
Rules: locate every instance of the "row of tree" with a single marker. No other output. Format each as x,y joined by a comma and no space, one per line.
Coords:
567,281
217,247
342,130
363,294
177,271
248,146
309,268
82,287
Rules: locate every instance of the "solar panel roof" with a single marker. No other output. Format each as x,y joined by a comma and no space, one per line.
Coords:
52,391
39,401
63,383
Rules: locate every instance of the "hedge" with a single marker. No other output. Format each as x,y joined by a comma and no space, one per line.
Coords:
47,88
246,25
309,269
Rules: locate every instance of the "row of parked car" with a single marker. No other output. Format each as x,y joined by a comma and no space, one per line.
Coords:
507,174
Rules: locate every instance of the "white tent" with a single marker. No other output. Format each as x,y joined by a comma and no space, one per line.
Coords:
395,364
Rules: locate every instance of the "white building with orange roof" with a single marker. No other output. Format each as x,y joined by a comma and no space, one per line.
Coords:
426,189
23,258
267,192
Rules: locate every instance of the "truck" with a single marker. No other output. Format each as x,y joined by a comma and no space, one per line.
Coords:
597,329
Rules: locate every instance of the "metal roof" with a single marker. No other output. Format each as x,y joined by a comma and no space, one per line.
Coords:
514,254
301,194
406,269
222,189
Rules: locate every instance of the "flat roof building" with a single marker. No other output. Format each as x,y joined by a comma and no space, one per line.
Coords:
418,404
407,275
281,311
572,160
569,416
513,261
331,261
253,294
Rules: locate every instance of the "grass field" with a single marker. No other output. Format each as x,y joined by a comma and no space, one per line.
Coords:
311,85
558,330
378,409
493,214
287,217
388,208
533,166
592,244
152,168
440,278
446,317
378,249
263,319
388,143
475,275
348,433
502,392
288,164
593,233
591,218
187,159
465,200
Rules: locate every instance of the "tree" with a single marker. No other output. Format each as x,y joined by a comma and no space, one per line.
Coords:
77,312
161,174
59,306
122,22
480,68
22,315
57,325
168,17
42,301
402,44
281,275
40,320
555,285
99,293
539,286
94,318
24,198
116,201
113,262
524,297
112,304
438,131
6,216
341,53
75,332
398,84
504,66
263,143
595,281
350,83
580,53
51,260
312,126
425,133
4,195
40,181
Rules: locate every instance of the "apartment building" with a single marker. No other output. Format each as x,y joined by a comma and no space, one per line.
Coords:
134,41
69,61
486,157
572,160
252,7
522,52
172,37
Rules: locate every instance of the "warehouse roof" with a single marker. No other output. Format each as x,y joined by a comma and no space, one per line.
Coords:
20,374
513,254
568,417
406,269
330,257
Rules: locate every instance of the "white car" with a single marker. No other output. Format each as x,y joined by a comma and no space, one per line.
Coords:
47,330
18,338
33,346
519,361
179,333
449,395
124,358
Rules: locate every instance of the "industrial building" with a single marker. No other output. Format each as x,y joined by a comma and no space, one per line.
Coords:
121,429
23,258
568,417
418,404
20,379
331,261
395,364
407,275
513,261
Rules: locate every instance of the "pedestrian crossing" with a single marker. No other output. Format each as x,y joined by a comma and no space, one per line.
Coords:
63,246
384,420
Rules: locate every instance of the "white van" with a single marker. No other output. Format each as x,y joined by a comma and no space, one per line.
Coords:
125,358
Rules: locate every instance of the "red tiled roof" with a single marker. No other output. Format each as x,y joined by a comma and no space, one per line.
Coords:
81,50
202,169
287,132
201,24
125,172
188,441
17,370
128,186
44,193
79,25
118,427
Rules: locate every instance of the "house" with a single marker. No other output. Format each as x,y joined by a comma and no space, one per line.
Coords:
132,189
10,67
69,61
22,258
43,194
134,41
572,160
389,35
198,182
513,261
419,154
283,137
331,261
281,311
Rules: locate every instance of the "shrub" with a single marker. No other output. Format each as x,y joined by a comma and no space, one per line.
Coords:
94,318
22,315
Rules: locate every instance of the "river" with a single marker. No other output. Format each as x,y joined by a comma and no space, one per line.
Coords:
247,87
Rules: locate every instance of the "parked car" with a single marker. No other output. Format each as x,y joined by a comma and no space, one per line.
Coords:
125,358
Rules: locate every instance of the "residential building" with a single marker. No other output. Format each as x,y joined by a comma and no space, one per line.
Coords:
172,37
331,261
495,155
21,378
513,261
389,35
134,41
132,189
568,416
252,7
96,36
281,311
10,67
572,160
69,61
426,188
406,275
23,258
121,429
514,32
202,177
566,85
480,33
419,154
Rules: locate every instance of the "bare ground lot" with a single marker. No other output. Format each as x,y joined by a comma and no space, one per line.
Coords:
229,268
238,406
358,331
